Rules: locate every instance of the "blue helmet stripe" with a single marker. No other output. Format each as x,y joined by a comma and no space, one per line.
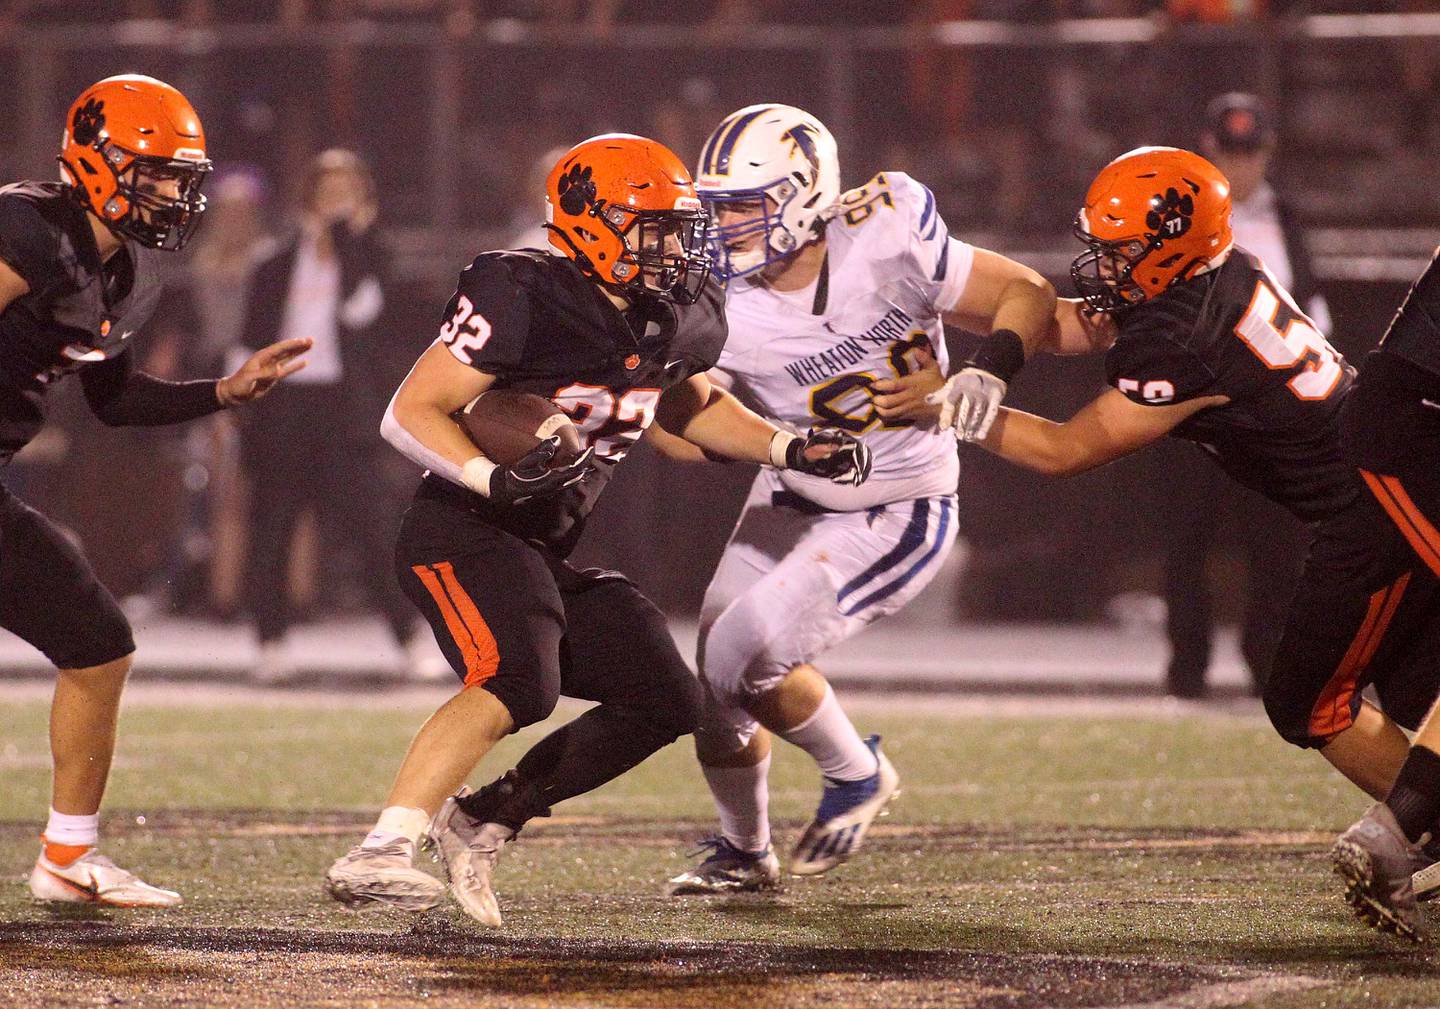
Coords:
727,146
707,153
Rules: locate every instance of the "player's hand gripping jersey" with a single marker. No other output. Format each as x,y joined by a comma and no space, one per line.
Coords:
539,325
76,313
808,358
1236,332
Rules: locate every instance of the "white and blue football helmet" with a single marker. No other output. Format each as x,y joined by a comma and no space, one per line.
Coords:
775,158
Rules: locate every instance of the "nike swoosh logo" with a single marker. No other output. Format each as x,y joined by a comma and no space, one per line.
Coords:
92,891
1430,403
674,363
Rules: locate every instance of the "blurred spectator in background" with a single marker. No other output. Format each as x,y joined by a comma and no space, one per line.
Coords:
235,238
317,450
1239,138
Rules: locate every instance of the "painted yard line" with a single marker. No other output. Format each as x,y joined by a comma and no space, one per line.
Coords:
1230,993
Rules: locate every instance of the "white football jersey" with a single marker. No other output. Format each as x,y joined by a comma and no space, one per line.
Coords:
808,358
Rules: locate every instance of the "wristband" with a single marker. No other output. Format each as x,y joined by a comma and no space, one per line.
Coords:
476,474
1002,354
780,443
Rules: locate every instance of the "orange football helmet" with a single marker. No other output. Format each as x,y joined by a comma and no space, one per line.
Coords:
624,209
1154,217
134,153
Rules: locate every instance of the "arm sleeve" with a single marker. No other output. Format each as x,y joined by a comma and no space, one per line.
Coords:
938,262
29,244
487,319
123,397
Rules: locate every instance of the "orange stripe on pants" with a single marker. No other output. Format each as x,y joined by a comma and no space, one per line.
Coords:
1421,534
1331,713
462,618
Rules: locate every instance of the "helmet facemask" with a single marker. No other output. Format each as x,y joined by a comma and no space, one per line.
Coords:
665,251
154,219
1104,273
760,214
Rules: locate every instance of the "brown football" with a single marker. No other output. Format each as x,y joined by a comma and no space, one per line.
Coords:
507,423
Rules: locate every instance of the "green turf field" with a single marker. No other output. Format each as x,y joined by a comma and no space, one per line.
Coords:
1052,858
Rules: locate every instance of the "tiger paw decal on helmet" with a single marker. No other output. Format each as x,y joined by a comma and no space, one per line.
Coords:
1171,215
651,238
577,189
89,122
1139,242
134,156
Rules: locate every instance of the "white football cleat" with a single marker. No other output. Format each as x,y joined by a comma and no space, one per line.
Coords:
469,851
847,809
385,876
1427,880
94,879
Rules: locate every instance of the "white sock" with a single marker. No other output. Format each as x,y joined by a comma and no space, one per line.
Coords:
79,831
397,823
833,742
742,795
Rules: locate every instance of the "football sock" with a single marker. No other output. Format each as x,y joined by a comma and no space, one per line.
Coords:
68,836
397,823
1415,797
742,795
832,741
601,744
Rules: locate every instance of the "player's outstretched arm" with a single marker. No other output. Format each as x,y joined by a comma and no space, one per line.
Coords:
1109,427
1016,306
123,397
709,417
263,371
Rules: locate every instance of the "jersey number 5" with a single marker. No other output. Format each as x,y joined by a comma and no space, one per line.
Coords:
466,332
1298,342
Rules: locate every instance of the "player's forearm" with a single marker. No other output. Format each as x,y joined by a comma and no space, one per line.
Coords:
1036,443
1026,307
122,397
429,437
673,447
724,427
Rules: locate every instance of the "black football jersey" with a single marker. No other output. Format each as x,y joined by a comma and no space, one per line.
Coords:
539,325
1236,332
77,311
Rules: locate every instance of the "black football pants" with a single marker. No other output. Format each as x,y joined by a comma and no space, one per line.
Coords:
519,622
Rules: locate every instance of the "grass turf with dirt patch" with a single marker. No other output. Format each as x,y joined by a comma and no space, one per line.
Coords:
1054,859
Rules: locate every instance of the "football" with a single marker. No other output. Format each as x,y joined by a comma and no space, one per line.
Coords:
507,423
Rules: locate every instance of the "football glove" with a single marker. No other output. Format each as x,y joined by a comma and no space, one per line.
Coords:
969,402
848,464
532,475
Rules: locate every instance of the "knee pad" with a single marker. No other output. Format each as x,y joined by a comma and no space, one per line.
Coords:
527,703
1290,716
740,659
674,703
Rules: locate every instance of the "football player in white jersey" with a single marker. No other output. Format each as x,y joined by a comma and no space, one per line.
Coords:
836,303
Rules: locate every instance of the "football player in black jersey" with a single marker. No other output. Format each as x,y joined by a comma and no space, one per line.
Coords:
1202,343
617,324
1390,429
79,276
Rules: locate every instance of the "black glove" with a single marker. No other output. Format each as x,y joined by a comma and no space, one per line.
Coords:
848,464
532,475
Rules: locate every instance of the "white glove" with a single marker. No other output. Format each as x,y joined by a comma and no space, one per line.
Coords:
968,402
